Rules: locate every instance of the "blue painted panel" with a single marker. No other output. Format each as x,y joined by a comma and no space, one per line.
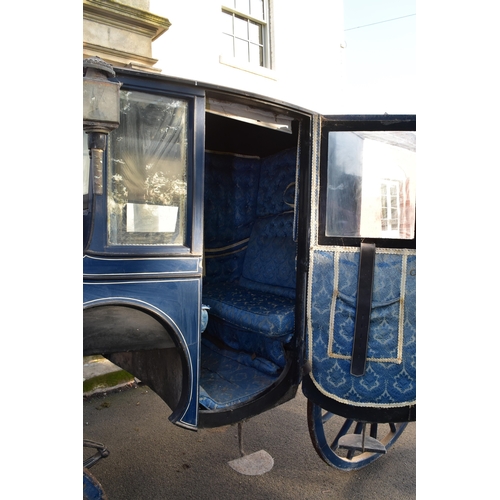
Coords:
177,301
101,266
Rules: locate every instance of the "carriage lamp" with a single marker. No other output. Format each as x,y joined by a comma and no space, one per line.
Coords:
101,111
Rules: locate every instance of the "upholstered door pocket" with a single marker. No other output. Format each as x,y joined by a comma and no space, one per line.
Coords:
385,337
332,299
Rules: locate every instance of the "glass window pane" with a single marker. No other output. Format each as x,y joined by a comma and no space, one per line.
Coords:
243,6
241,49
257,9
254,32
147,171
256,54
227,23
371,180
241,28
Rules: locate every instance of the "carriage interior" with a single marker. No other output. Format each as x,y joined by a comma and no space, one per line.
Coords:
249,261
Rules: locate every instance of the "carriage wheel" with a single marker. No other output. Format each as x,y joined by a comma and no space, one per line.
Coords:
347,444
92,489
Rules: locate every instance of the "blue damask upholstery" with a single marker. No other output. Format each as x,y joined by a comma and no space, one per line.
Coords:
269,264
258,307
253,312
231,188
230,378
276,185
390,377
239,339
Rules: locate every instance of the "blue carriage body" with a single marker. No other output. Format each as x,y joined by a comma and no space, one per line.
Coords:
201,208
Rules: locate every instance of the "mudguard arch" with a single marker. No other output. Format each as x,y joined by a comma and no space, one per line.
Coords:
145,357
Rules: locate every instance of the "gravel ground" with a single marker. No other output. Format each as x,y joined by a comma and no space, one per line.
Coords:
150,458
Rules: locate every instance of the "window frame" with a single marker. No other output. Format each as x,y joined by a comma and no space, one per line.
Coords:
139,236
265,31
387,198
192,246
86,174
350,123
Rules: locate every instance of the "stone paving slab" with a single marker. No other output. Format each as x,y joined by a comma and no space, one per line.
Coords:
100,375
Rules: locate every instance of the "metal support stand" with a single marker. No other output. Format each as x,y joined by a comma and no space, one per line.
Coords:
255,464
361,442
92,489
102,452
240,439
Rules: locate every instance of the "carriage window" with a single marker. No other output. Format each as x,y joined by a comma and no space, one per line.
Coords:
371,184
147,171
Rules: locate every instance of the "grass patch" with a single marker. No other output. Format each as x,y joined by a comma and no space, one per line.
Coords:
107,380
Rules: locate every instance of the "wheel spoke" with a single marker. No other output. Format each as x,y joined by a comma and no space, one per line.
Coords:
326,416
359,428
343,431
350,457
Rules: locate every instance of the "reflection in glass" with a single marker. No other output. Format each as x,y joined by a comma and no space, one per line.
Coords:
86,171
147,170
371,184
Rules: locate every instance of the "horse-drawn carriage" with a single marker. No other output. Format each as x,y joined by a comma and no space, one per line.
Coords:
237,247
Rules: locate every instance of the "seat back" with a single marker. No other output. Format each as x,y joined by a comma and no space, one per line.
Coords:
269,264
270,260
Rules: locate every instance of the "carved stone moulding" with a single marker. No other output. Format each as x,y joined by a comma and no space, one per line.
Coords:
120,33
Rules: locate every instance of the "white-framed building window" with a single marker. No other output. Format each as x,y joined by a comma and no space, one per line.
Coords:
390,216
246,31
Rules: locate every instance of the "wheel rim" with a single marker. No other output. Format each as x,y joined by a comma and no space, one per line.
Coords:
326,429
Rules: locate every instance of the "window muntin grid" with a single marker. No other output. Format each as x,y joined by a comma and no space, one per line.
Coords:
390,200
245,31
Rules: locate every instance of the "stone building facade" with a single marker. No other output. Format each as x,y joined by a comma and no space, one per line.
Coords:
300,47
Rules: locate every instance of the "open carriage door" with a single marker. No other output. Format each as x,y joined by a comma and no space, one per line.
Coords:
361,331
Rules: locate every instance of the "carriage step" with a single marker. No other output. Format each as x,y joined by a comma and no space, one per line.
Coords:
255,464
358,442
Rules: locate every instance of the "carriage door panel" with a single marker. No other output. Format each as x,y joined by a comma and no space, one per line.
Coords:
361,325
